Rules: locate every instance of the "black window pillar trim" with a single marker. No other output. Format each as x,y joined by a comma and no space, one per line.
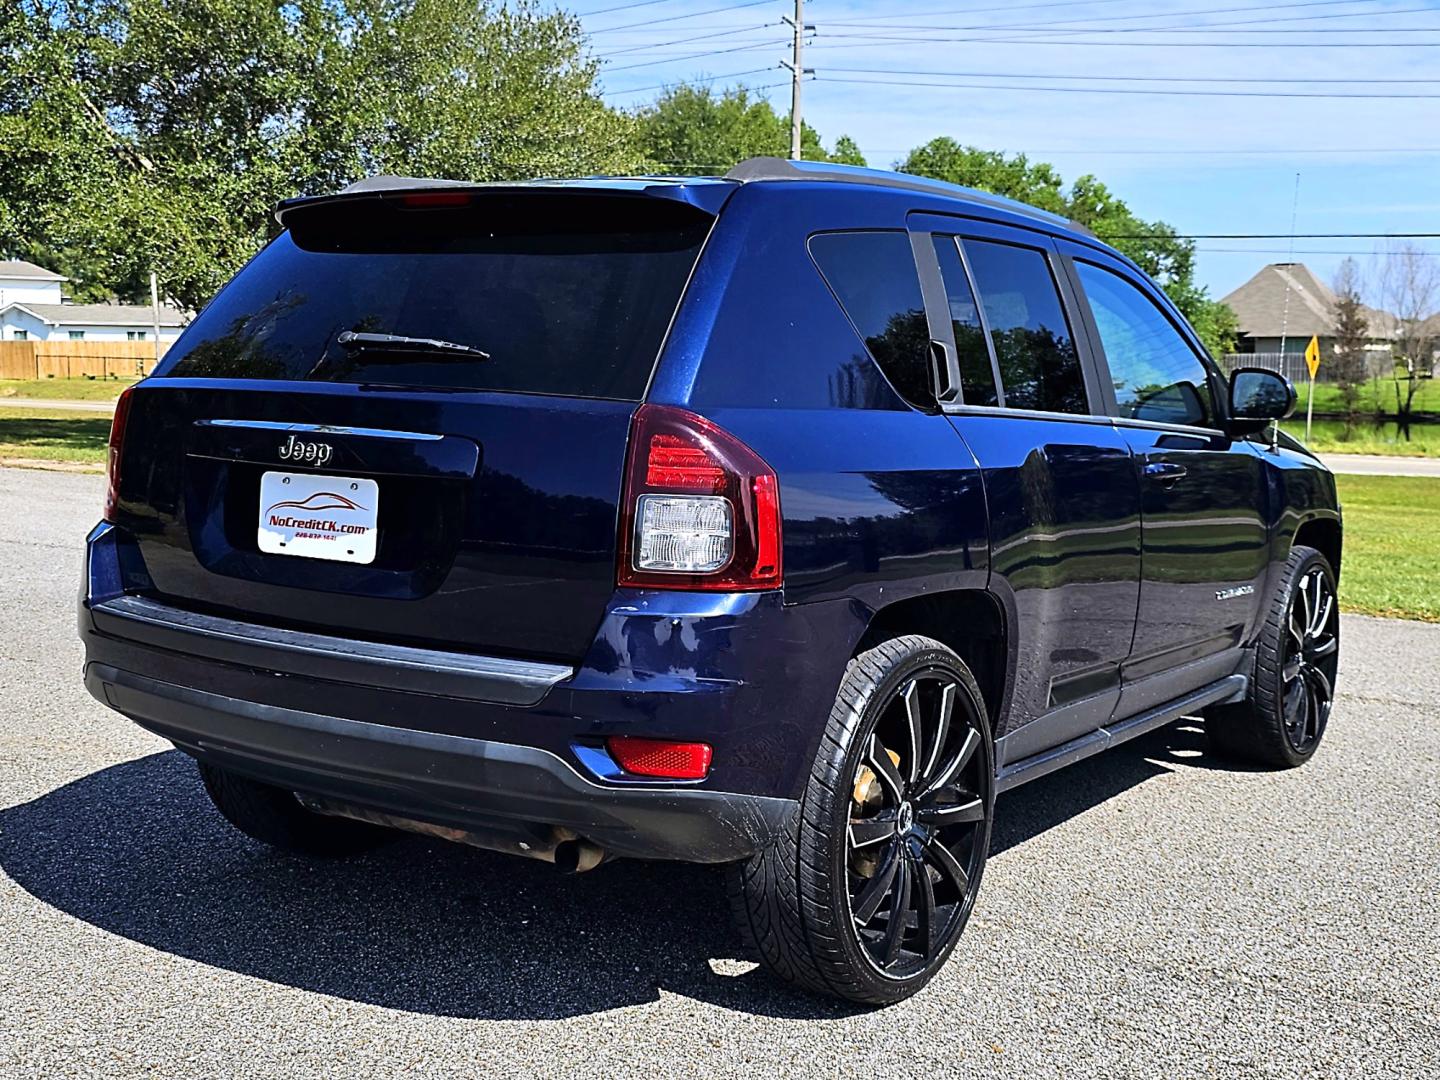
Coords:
1099,387
937,313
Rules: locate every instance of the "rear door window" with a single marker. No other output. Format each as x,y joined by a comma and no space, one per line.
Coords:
874,277
567,295
1039,365
1157,375
977,377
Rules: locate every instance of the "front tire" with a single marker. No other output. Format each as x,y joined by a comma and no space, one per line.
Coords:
276,817
868,894
1292,686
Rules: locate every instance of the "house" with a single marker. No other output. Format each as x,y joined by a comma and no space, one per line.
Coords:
33,307
1286,301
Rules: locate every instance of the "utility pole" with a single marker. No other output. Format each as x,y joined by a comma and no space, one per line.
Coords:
155,319
798,71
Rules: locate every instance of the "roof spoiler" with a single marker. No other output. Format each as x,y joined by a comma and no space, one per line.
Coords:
706,197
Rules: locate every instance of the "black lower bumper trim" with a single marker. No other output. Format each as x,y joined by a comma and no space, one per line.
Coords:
461,782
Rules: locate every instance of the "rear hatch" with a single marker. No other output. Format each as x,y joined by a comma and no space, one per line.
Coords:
440,497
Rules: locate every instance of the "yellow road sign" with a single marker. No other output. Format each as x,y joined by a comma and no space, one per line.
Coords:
1312,356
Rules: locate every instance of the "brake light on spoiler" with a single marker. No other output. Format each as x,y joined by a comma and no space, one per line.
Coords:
701,510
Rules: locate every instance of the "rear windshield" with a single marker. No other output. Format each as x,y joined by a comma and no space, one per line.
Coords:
567,296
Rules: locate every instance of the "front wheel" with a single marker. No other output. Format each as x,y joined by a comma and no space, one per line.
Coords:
868,894
1292,685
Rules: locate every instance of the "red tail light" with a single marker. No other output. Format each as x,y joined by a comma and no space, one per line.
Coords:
701,509
117,447
660,758
429,200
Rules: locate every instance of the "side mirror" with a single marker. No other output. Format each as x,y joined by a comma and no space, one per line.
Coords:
1257,397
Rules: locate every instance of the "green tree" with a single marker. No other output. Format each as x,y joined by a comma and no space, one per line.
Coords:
140,134
1351,333
693,128
1154,245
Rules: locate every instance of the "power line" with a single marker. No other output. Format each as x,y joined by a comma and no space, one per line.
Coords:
1197,27
1129,91
867,41
620,7
728,31
1281,251
1234,27
677,18
982,11
1116,78
712,78
697,56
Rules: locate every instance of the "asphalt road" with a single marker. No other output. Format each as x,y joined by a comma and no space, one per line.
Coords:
1153,912
1381,465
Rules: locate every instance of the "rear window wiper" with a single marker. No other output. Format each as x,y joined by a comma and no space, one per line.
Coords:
352,340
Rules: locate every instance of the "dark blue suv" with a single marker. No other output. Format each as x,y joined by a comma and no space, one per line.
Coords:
778,520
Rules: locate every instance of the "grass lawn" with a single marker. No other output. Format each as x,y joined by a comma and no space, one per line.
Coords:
51,435
64,389
1392,546
1332,437
1375,395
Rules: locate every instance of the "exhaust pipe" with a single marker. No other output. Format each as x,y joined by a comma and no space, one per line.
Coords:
566,849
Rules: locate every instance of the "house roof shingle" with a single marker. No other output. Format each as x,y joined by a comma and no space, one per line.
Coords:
19,268
1264,310
102,314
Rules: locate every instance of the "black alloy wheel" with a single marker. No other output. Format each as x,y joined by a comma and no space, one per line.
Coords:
1312,654
1291,693
912,845
868,893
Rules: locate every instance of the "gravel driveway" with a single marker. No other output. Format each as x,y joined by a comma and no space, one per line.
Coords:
1152,912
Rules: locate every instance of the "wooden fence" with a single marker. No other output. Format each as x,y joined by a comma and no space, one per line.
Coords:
77,359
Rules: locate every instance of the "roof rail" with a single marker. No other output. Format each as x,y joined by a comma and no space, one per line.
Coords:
773,168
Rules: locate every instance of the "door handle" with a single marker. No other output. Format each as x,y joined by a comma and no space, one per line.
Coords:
1166,472
946,372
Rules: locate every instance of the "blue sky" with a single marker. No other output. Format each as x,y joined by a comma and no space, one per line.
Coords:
1220,163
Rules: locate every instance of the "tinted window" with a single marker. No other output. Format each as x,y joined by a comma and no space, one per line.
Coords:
873,274
977,377
1157,375
566,299
1039,367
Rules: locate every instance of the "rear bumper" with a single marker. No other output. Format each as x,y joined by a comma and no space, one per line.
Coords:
481,743
465,783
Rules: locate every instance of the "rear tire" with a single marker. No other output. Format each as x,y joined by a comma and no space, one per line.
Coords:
276,817
1292,685
866,896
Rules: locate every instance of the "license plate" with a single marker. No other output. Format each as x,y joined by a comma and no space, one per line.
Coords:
318,517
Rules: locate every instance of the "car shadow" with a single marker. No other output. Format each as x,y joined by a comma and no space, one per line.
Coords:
423,925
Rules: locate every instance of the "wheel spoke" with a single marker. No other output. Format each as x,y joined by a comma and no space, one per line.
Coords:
868,902
1291,669
1309,616
1323,691
911,697
1300,723
1327,649
963,807
1324,616
925,909
948,865
884,768
871,830
899,910
942,732
962,757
